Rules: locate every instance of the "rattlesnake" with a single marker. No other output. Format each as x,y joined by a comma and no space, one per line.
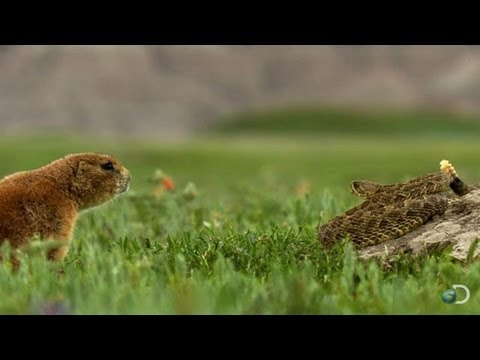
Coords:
390,211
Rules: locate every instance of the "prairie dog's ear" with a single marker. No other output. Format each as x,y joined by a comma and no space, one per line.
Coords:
82,166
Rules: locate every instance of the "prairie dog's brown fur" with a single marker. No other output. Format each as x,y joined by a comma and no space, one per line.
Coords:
45,202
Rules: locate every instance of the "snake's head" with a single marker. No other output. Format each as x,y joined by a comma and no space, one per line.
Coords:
364,189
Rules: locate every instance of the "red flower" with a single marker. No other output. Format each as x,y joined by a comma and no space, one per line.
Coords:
168,183
303,188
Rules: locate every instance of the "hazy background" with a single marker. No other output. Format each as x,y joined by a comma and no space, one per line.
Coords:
172,91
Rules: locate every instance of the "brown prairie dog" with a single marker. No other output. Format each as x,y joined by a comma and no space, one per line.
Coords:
45,202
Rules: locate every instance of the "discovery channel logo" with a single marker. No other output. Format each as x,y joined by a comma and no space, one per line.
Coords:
449,296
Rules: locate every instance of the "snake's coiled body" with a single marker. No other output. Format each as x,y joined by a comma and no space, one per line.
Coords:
390,211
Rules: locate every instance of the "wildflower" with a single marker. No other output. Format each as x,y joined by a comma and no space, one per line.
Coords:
158,175
163,183
190,192
303,188
168,183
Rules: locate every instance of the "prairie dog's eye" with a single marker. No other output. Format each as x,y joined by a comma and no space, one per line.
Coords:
108,166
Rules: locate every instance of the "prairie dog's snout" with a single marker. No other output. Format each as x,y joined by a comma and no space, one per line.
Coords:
124,182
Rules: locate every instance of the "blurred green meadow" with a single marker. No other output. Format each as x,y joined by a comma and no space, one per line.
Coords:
237,235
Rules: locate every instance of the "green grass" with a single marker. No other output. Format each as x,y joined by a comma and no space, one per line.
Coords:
355,121
247,243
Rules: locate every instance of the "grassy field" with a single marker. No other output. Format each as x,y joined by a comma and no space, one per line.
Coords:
354,120
245,242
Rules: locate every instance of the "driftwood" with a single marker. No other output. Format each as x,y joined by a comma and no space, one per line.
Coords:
457,229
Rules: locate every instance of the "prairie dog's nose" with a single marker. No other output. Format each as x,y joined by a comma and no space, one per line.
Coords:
124,182
125,173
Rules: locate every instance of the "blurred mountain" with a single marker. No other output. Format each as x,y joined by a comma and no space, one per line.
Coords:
175,90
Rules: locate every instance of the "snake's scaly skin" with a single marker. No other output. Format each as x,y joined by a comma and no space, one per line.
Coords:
390,211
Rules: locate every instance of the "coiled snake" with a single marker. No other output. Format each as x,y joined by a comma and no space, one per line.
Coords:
390,211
